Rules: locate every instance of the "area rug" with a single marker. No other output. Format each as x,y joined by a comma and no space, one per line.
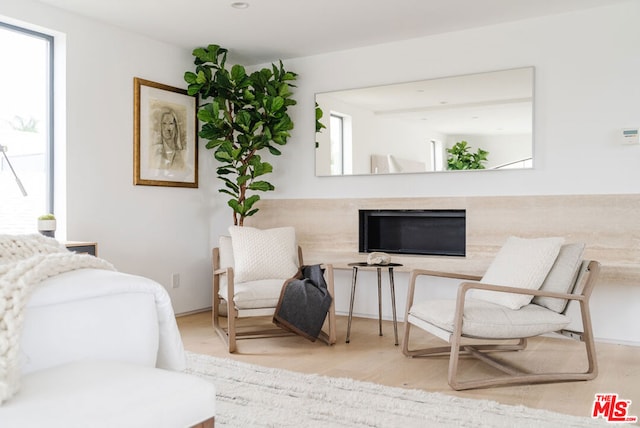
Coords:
250,396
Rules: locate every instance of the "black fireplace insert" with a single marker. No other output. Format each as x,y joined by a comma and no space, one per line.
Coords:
421,232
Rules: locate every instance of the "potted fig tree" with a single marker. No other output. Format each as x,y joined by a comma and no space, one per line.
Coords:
243,115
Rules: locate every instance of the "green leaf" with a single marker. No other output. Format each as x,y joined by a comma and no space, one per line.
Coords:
277,104
274,151
262,186
190,77
243,179
206,114
223,81
283,91
201,77
235,206
238,72
319,125
284,124
248,95
212,144
262,169
200,53
193,89
222,156
231,185
243,121
250,201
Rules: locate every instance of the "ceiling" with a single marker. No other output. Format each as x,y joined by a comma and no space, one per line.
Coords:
268,30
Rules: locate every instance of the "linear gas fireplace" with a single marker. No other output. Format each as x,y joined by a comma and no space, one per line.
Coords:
424,232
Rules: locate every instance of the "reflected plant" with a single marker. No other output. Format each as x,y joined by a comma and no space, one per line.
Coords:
21,124
461,158
319,125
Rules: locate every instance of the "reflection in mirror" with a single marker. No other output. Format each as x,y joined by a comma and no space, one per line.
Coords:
413,127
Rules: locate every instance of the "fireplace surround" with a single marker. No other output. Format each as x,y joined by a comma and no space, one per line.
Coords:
420,232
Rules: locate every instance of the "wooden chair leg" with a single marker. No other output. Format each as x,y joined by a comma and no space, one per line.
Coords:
332,308
328,334
587,337
209,423
332,325
405,338
222,333
231,327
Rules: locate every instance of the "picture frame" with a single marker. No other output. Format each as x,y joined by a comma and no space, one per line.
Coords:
165,135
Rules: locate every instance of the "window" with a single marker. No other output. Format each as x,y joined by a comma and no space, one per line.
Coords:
336,126
437,155
340,134
26,137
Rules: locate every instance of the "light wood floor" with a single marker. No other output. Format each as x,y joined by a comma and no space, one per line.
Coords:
373,358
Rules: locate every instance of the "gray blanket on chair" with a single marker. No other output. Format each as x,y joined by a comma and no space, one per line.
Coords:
304,302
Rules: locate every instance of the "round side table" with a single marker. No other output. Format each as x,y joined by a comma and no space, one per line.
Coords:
379,268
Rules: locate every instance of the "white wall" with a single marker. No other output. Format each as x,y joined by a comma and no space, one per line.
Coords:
151,231
587,89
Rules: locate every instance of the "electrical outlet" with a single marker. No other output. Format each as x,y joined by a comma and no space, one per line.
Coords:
175,280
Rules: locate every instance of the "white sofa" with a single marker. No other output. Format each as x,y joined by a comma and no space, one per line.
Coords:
100,348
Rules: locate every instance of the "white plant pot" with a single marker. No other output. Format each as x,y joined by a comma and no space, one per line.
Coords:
47,227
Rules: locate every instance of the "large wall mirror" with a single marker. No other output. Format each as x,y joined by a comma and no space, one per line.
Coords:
411,127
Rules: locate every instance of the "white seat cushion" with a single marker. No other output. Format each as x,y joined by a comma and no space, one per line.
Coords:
109,394
263,293
522,263
490,320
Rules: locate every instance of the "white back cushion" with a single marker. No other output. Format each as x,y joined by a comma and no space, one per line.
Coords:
264,254
226,252
522,263
562,276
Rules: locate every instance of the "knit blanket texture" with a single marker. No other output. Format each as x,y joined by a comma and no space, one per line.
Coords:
26,261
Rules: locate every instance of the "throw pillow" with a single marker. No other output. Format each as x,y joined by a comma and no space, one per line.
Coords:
264,254
562,276
522,263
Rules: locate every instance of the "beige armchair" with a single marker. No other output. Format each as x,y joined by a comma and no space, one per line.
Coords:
249,270
490,316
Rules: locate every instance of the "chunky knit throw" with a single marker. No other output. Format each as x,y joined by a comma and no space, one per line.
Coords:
25,261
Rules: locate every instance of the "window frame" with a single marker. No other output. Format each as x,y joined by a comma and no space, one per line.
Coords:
335,119
50,116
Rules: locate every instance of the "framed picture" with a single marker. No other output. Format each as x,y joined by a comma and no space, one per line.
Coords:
165,136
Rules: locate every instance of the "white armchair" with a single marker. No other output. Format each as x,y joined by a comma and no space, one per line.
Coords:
249,270
524,293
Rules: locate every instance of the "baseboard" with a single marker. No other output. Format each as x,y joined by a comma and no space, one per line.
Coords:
196,311
617,342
